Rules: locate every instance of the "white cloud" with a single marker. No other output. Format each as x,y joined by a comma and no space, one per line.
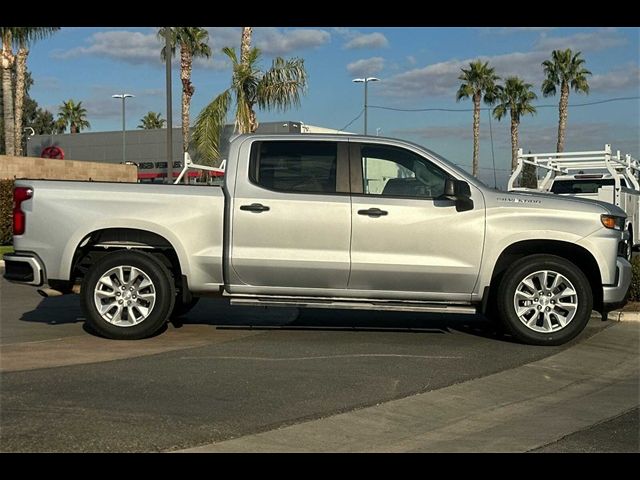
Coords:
144,47
356,39
366,66
441,79
272,41
623,78
138,47
128,46
594,41
370,40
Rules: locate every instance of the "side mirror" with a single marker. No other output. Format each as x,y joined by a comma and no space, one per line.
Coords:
458,191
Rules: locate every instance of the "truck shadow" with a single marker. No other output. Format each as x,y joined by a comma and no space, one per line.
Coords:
55,311
219,313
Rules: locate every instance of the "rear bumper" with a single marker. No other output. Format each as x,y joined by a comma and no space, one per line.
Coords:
615,296
24,268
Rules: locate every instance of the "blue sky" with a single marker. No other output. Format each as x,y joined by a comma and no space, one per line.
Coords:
418,68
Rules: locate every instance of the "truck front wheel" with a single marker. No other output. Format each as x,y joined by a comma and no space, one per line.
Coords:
127,295
544,300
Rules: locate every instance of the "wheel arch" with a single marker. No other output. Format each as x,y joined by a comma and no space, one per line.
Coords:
100,242
576,254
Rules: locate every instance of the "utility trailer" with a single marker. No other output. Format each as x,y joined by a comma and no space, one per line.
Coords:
597,175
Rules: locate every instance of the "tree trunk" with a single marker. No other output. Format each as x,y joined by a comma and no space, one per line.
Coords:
7,95
245,44
21,68
187,92
253,120
73,128
514,143
245,48
563,113
476,134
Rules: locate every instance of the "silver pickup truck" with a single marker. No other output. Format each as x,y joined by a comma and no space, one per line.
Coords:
323,221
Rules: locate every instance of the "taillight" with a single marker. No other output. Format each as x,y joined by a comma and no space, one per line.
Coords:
20,194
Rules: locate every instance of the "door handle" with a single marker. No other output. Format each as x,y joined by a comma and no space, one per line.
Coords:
373,212
255,207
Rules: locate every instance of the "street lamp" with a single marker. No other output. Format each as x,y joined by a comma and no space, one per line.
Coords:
366,81
123,96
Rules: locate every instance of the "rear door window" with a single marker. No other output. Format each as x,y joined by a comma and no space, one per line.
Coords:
294,166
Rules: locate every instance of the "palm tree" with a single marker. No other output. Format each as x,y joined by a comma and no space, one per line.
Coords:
152,120
72,115
478,83
516,97
245,44
7,58
24,36
565,70
193,43
279,87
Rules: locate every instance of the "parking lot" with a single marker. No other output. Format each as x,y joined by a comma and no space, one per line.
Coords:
242,373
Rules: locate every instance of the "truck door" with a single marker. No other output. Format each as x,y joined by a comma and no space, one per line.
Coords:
291,218
406,241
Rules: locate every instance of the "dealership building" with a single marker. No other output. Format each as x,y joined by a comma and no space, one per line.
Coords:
146,148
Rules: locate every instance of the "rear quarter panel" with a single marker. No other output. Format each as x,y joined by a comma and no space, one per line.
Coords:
61,214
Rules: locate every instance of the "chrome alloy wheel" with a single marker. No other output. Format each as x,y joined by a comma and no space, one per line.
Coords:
545,301
124,296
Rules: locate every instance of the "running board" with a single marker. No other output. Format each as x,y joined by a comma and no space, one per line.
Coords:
384,306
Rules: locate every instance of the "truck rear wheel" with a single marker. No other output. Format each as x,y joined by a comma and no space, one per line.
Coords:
127,295
544,300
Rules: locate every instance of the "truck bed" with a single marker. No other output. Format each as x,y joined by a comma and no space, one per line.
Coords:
63,213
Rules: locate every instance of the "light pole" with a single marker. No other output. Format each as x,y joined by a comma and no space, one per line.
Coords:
123,96
366,81
167,65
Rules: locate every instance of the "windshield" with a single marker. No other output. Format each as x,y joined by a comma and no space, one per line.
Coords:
582,185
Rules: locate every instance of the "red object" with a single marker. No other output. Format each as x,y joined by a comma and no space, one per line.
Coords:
20,194
52,152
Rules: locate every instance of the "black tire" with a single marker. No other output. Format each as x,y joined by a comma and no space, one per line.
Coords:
512,278
180,308
159,313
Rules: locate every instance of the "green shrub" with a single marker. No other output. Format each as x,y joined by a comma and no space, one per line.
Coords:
634,290
6,207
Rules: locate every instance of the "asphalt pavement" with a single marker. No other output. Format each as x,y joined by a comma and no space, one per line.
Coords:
227,372
620,434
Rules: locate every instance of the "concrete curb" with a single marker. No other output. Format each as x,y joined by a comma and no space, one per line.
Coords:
620,316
